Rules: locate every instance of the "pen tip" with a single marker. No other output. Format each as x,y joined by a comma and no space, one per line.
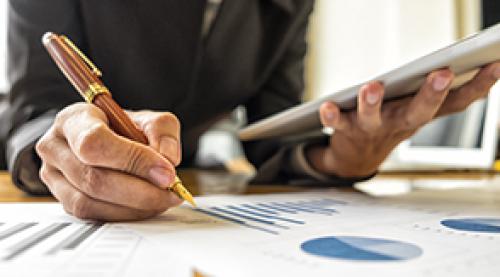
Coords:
186,195
191,201
182,192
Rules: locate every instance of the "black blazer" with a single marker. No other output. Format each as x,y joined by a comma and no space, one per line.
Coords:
153,57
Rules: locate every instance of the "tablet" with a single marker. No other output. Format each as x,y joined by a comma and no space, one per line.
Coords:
463,57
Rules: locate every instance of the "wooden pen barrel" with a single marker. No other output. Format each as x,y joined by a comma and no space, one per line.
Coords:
84,80
119,121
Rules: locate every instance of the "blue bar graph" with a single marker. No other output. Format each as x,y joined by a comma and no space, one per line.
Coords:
300,208
265,215
269,216
279,209
237,221
312,206
259,209
251,218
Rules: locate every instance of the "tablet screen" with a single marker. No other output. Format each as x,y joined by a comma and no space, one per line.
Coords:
462,130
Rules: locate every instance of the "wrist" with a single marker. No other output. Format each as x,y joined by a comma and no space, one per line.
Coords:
322,159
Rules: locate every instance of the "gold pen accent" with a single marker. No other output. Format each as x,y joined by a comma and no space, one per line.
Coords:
178,188
91,65
93,90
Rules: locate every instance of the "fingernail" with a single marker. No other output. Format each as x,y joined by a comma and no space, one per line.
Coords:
169,148
161,176
372,97
496,73
439,83
330,116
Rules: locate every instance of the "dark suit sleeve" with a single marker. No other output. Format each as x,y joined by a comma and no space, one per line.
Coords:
276,160
38,89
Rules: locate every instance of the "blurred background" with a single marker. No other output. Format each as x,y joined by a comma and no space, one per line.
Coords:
356,39
352,40
3,43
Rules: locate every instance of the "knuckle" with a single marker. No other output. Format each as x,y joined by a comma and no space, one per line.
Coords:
44,173
90,144
68,111
80,206
134,155
42,146
166,119
92,180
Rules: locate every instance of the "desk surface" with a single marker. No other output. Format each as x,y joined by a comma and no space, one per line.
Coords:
480,187
199,182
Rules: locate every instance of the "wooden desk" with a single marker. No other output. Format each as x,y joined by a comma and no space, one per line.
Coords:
205,182
10,193
201,182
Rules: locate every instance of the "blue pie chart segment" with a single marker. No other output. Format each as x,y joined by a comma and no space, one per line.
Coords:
485,225
361,249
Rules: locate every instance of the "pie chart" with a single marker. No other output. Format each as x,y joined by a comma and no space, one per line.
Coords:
355,248
484,225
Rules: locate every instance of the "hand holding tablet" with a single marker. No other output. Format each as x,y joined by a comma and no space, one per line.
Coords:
464,58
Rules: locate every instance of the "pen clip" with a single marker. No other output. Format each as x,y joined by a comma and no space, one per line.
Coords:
91,65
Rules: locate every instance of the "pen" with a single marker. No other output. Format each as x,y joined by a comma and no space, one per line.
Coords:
84,76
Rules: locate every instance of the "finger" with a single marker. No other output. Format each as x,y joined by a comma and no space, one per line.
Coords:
84,207
369,104
107,185
330,116
162,131
425,104
473,90
95,144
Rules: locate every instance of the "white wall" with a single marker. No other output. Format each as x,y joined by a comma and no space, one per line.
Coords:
3,44
352,40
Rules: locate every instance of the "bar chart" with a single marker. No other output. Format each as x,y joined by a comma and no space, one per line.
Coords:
65,248
19,247
273,217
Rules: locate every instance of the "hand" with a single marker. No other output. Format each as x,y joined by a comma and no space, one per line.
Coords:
365,137
97,174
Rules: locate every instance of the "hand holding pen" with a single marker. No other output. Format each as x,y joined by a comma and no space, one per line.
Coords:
98,163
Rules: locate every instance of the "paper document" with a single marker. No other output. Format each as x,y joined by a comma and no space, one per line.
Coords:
41,240
323,233
329,233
